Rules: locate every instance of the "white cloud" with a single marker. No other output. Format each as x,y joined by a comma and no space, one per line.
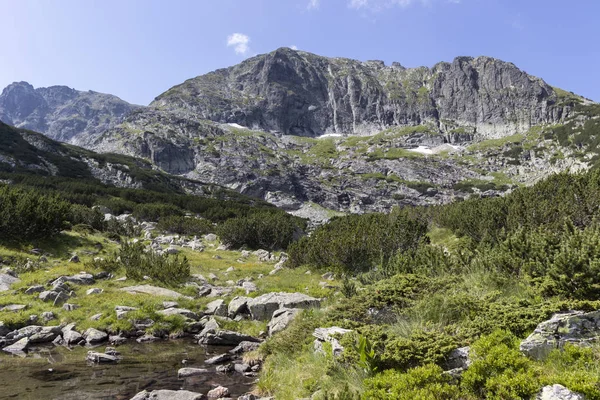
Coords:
239,42
378,5
313,4
294,47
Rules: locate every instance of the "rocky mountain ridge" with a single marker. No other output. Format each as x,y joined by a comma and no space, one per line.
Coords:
61,113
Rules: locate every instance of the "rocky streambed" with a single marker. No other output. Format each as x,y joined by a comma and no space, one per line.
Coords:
57,372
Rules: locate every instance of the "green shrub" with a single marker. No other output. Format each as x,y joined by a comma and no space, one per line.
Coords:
358,243
85,215
155,211
424,383
27,215
185,225
262,230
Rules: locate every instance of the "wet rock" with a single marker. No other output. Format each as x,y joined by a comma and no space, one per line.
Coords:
94,291
117,340
224,369
217,307
219,359
169,395
154,291
18,347
578,328
112,351
179,311
147,339
218,392
263,307
558,392
187,372
241,368
34,289
101,358
244,347
329,335
93,336
281,319
226,338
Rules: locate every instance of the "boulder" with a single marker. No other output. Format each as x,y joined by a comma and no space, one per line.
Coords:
263,307
281,319
218,392
226,338
169,395
96,317
558,392
82,278
94,291
36,334
249,287
244,347
13,307
103,358
170,304
154,291
329,335
57,298
147,339
72,337
93,336
48,316
219,359
217,307
262,255
577,327
211,237
211,326
187,372
34,289
18,347
70,307
117,340
238,305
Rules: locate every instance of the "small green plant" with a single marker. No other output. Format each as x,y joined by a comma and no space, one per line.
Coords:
348,288
366,355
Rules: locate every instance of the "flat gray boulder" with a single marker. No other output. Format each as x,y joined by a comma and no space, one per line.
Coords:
263,307
226,338
558,392
101,358
169,395
187,372
6,281
179,311
154,291
18,347
92,336
577,327
238,305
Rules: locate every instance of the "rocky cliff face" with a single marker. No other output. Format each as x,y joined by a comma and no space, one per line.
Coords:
298,93
61,113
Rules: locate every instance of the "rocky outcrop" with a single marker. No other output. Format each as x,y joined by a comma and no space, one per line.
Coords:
154,291
169,395
577,327
61,113
263,307
299,93
329,335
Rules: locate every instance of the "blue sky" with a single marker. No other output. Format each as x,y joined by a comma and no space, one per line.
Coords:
136,49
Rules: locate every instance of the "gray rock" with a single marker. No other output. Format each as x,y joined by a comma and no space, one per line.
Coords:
238,305
70,307
34,289
147,339
224,369
241,368
18,347
578,328
217,307
74,259
6,281
226,338
93,336
179,311
212,277
249,287
187,372
329,335
263,307
96,317
100,358
13,308
218,392
244,347
211,326
211,237
219,359
459,359
168,395
558,392
57,298
281,319
94,291
154,291
117,340
170,304
48,316
72,337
